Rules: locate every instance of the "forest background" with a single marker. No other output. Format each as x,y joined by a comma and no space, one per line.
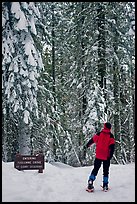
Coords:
67,67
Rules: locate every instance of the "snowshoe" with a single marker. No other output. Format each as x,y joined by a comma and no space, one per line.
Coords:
90,187
105,187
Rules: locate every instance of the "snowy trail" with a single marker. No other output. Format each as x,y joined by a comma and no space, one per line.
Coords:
62,183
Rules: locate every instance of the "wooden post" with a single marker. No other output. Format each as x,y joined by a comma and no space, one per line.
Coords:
40,171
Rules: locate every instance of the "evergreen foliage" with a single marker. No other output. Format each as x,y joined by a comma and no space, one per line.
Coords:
67,67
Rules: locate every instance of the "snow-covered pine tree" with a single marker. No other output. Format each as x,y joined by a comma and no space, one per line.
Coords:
21,64
121,49
52,136
88,77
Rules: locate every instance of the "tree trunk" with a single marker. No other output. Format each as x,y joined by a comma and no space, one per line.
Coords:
53,74
101,55
101,45
116,93
24,138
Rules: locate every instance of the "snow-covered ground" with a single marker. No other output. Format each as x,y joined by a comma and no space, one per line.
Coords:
63,183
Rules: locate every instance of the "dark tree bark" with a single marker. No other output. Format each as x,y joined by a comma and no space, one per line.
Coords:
53,74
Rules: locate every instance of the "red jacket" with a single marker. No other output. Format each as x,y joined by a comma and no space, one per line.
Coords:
105,142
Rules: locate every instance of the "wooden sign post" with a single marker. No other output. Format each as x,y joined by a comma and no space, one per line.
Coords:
29,162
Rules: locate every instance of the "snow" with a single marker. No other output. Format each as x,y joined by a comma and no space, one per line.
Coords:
32,75
80,85
16,106
3,20
15,8
24,72
32,24
131,32
26,116
63,183
22,23
30,51
34,9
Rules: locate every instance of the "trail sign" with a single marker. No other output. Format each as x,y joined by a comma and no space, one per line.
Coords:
29,162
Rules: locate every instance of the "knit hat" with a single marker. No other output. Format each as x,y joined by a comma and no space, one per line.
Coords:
107,125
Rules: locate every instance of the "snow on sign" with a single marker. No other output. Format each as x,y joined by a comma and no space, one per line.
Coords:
29,162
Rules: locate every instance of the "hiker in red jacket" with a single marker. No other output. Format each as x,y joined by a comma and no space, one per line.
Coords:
105,143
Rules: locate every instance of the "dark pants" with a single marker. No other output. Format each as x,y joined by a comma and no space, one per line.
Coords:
97,165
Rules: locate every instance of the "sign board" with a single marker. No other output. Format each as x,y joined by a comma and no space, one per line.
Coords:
29,162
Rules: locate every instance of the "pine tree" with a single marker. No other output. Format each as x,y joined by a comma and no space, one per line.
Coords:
21,65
